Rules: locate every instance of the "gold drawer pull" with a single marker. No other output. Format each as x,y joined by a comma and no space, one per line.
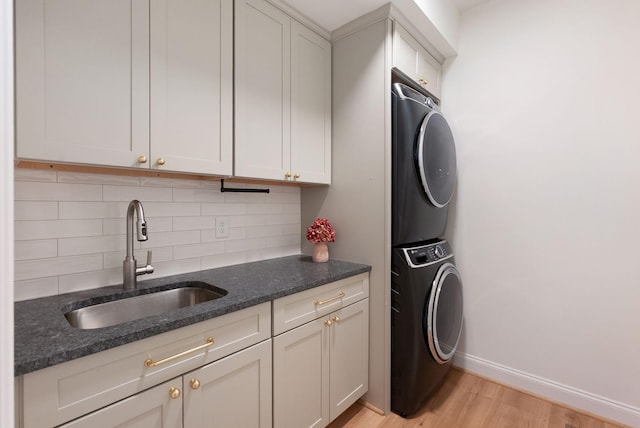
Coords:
150,363
336,319
323,302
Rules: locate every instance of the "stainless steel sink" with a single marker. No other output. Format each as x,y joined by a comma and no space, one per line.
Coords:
136,307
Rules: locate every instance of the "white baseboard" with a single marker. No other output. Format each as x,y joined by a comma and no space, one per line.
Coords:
551,390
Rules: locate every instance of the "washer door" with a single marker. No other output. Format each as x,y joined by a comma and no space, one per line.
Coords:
442,319
435,156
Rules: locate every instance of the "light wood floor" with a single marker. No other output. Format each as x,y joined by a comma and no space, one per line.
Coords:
468,401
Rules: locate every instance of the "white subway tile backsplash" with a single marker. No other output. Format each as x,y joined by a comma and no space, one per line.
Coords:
78,210
175,267
128,193
223,209
159,254
88,280
283,241
32,191
194,223
45,229
70,228
247,220
118,226
43,175
81,177
34,288
171,182
91,245
292,218
37,249
287,208
264,231
244,244
232,198
226,259
40,268
198,250
197,195
33,210
170,209
171,239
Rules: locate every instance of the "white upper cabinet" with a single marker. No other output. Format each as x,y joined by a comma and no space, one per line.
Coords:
125,83
282,97
414,61
192,86
82,81
310,105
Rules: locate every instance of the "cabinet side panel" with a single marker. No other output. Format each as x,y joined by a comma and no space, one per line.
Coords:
359,196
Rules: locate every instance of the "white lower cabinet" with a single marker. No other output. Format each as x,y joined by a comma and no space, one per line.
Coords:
321,367
154,408
297,362
232,392
88,386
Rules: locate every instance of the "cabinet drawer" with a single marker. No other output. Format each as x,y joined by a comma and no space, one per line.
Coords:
65,391
294,310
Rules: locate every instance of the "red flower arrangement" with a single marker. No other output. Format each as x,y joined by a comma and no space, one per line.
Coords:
321,231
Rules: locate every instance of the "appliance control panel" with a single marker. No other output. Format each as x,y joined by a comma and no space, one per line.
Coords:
428,254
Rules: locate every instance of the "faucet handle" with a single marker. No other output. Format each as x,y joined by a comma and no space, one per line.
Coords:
146,269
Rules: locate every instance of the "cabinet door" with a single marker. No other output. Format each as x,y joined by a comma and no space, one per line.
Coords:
192,85
153,408
414,61
301,376
232,392
310,106
262,90
349,376
82,85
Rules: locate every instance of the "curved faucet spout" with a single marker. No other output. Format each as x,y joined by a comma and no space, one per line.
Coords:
130,269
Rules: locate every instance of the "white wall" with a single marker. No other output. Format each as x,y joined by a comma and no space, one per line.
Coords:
6,214
544,101
70,229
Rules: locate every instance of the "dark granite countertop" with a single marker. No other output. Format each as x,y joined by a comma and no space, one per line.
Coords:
44,338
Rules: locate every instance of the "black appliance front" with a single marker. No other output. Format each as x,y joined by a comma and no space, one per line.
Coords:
423,167
426,322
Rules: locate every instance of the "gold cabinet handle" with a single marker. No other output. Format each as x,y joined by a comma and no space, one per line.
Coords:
142,159
160,161
174,393
287,175
336,319
296,175
324,302
150,363
423,81
328,323
195,383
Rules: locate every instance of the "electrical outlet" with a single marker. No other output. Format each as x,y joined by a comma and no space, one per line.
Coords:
222,227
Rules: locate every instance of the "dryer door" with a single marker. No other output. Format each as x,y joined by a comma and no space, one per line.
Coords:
442,319
435,155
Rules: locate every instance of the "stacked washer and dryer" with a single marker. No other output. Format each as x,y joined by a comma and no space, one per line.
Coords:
426,288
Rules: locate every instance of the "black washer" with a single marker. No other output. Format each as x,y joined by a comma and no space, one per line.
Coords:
426,321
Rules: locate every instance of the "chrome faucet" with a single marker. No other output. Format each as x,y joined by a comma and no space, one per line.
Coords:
130,270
